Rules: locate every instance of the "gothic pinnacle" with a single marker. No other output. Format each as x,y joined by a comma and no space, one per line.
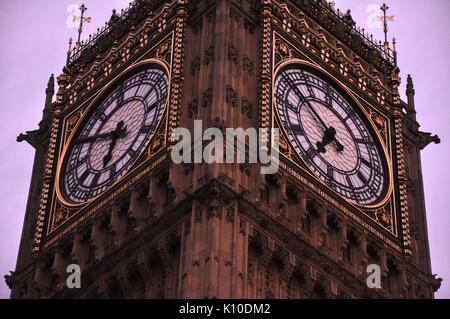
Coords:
411,109
409,85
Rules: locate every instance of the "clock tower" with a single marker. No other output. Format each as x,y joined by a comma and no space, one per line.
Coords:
106,195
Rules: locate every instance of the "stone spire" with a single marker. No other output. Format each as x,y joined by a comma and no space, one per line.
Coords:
410,92
49,92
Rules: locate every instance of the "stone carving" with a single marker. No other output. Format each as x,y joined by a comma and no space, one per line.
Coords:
232,96
233,54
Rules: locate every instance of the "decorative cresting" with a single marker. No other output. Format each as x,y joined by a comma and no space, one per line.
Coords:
317,43
85,75
113,30
340,25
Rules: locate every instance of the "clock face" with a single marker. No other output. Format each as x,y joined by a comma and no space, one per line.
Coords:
115,134
327,132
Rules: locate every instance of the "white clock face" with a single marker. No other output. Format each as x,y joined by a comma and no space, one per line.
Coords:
328,133
115,134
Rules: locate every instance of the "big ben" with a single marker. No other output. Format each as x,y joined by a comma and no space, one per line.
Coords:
107,196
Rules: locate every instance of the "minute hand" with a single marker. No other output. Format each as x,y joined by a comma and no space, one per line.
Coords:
339,146
94,137
327,129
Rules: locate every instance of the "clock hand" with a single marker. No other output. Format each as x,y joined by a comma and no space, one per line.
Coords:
316,115
108,156
301,98
100,136
329,132
327,135
119,132
93,138
339,146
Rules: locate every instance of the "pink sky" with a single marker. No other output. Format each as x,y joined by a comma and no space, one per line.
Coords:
34,38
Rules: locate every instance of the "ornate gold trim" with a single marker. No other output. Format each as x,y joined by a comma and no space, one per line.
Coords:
390,180
44,200
177,77
266,68
91,106
402,181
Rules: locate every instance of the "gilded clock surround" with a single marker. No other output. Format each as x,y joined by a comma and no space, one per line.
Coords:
168,46
67,209
384,213
375,129
160,130
162,53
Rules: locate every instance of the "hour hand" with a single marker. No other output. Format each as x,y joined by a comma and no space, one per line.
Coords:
339,146
329,136
120,131
93,138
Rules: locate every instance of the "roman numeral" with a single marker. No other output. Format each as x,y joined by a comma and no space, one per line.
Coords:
292,107
148,128
142,77
328,98
83,176
132,152
363,141
361,177
101,116
295,88
330,173
310,153
112,171
349,181
371,190
120,94
311,91
296,129
349,115
147,95
366,162
95,180
76,165
153,106
350,185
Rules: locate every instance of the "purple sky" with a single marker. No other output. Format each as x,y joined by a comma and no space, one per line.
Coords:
34,38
